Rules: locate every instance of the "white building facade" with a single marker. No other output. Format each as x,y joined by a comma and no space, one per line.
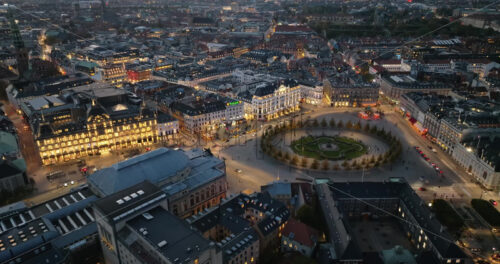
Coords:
477,167
283,100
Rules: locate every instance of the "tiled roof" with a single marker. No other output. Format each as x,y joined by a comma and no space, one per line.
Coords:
300,232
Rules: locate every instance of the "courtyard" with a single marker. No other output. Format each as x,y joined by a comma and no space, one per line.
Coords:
380,234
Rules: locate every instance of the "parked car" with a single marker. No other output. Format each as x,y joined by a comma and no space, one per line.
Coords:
493,202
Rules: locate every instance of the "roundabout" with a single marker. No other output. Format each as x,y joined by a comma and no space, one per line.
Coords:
334,147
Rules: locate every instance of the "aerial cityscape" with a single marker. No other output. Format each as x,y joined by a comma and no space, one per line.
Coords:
249,131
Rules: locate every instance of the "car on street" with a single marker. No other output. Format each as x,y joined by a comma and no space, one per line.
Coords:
422,189
493,202
238,170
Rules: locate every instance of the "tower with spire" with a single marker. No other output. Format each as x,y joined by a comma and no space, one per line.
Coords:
21,51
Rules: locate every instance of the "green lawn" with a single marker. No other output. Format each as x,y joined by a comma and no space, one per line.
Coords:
347,148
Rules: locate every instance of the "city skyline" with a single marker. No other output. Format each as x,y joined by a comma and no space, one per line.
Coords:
297,131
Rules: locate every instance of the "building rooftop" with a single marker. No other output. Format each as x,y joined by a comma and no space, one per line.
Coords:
278,188
8,143
300,232
157,166
170,235
121,204
19,239
408,82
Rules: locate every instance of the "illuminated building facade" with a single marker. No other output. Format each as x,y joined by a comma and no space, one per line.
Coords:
478,155
92,123
273,100
137,73
207,114
112,73
348,94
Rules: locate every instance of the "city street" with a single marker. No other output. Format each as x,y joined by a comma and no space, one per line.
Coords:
26,142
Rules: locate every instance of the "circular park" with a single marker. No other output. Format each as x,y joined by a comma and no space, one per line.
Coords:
330,145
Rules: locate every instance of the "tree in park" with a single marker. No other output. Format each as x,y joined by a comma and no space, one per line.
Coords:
381,132
340,124
286,156
336,166
374,130
315,123
294,160
323,123
325,165
357,126
345,164
304,162
389,136
315,164
332,123
367,127
348,125
372,159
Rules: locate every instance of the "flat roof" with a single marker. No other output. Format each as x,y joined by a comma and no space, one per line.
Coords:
181,242
120,204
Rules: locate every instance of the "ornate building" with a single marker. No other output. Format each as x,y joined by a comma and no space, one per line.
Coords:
91,123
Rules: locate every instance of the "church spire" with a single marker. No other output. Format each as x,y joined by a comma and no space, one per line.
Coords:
21,52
